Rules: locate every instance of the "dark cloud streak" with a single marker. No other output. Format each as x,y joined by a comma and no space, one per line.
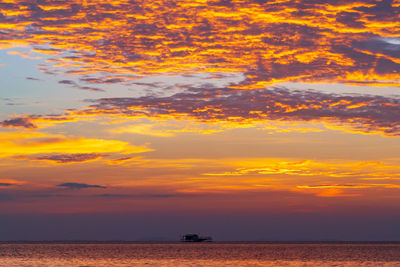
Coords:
75,85
70,158
80,186
23,122
6,184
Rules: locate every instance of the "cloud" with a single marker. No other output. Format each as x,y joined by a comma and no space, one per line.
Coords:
21,122
69,82
10,182
230,108
70,158
268,41
33,79
143,195
91,89
80,186
36,144
353,42
75,85
32,121
311,168
363,113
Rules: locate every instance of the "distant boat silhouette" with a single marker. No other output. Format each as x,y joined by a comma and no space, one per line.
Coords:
195,238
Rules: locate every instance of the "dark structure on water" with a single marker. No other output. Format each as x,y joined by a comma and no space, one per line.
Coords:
195,238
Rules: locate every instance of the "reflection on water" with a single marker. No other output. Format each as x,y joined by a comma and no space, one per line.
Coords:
211,254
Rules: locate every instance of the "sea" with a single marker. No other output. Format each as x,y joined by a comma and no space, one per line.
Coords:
199,254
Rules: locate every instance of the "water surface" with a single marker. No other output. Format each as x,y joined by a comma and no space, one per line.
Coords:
199,254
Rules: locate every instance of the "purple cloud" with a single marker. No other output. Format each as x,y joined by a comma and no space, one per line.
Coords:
80,186
70,158
75,85
363,112
21,122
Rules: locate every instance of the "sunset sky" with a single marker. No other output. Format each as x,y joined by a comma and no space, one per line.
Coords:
240,119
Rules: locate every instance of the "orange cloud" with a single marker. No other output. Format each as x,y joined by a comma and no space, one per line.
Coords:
4,183
310,168
228,175
270,42
227,108
211,110
35,143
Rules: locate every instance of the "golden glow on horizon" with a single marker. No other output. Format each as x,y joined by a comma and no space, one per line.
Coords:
340,178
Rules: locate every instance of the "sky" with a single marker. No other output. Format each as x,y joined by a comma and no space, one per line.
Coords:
240,119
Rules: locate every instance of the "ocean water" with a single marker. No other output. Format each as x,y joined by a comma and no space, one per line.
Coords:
199,254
